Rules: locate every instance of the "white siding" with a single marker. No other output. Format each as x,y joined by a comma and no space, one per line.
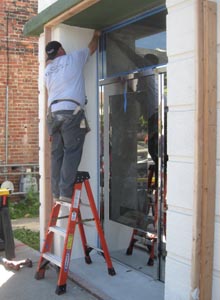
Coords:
181,94
181,97
177,287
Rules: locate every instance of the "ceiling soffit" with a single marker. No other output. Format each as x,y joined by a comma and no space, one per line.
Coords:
94,14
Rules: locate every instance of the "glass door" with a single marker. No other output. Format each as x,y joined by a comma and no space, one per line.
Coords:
134,165
133,142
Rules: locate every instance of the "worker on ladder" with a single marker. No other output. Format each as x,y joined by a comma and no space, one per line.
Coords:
66,121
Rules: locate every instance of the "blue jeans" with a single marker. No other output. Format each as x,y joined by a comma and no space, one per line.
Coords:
68,135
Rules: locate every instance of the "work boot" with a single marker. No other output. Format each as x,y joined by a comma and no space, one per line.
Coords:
65,199
55,199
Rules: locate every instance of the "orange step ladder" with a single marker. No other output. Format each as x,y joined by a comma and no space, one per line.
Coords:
74,218
151,237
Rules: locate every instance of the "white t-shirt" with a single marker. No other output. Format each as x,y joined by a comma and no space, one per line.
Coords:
64,79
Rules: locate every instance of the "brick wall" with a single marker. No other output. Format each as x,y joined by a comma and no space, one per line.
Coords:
18,76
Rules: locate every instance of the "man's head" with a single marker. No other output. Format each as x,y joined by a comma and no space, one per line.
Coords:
54,49
151,59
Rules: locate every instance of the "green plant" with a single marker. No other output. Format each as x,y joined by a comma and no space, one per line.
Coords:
28,237
27,207
143,123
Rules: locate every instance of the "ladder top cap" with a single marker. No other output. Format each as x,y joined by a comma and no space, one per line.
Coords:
81,176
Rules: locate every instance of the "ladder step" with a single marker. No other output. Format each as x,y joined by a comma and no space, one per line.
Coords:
74,218
52,258
57,229
95,248
63,203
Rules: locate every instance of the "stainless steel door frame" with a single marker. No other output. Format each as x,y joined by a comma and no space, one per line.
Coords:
160,72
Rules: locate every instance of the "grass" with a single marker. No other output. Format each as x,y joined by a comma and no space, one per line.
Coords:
26,208
28,237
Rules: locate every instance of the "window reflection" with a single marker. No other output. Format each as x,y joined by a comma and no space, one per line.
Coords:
127,47
134,152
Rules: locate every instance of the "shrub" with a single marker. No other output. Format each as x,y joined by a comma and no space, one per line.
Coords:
27,207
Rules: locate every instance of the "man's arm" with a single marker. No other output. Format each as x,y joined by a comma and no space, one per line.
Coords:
93,44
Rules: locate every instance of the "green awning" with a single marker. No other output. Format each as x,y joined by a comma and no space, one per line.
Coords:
98,16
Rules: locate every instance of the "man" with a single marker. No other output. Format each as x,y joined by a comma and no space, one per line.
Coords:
66,120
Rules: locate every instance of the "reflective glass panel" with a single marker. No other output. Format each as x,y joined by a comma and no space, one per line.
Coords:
133,151
134,46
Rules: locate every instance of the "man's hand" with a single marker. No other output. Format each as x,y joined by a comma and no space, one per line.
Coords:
97,33
94,42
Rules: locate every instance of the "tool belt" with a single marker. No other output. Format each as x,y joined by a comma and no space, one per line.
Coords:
50,114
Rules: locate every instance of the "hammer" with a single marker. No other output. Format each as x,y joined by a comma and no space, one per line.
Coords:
15,265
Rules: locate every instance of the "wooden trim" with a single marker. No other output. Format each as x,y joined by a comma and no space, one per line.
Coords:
35,26
209,158
198,154
71,12
93,14
54,14
205,149
47,197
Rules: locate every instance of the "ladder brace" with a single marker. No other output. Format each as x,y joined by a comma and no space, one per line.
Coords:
74,218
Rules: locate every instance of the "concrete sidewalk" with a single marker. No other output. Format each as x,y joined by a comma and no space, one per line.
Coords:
86,282
21,285
28,223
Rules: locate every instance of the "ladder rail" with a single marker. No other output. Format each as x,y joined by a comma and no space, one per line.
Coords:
47,245
68,243
74,218
98,224
86,249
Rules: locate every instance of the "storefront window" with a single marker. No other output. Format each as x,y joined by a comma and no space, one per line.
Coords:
132,47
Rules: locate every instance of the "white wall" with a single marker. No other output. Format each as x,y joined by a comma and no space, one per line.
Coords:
181,37
74,38
181,94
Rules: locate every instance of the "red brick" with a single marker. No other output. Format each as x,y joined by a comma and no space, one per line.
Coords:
18,69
